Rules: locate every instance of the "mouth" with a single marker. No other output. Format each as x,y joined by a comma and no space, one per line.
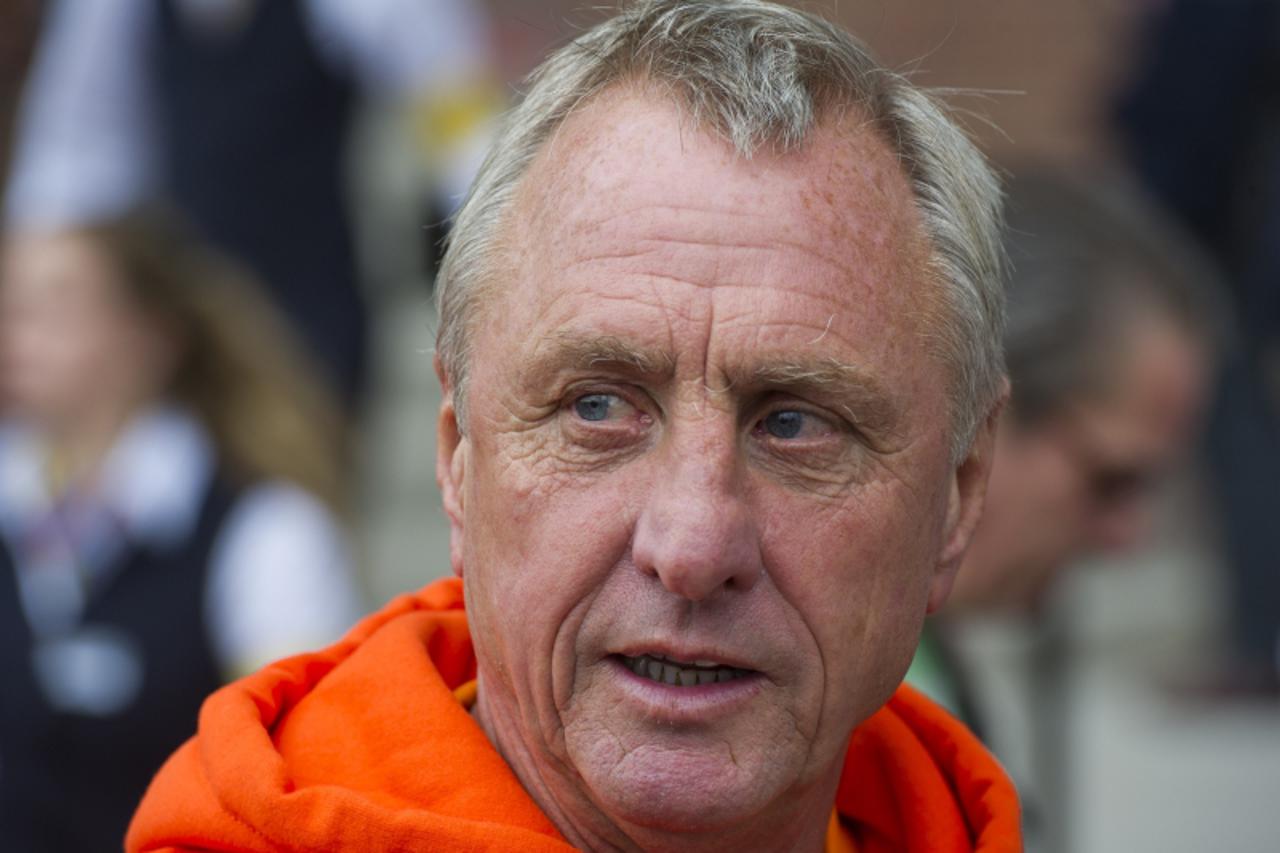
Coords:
677,673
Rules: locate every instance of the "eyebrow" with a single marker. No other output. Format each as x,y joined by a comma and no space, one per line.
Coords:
850,388
568,350
826,381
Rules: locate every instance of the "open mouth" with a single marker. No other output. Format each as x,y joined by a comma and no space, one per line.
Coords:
676,673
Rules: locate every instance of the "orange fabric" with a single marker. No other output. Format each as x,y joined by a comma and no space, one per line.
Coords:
839,837
364,746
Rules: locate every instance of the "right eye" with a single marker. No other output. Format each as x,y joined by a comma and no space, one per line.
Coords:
599,407
601,420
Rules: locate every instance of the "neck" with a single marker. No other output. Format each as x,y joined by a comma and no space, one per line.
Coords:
797,825
78,447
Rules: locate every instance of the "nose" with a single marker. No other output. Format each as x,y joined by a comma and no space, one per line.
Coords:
697,533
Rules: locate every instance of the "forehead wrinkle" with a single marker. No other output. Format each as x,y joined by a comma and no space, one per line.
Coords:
847,298
627,214
857,276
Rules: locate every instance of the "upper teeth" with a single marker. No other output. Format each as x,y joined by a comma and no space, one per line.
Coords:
679,674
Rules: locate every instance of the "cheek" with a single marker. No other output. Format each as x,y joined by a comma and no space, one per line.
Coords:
537,549
61,360
1041,507
61,346
1062,498
858,575
1035,483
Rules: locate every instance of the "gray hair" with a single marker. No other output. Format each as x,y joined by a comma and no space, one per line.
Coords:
1092,257
757,73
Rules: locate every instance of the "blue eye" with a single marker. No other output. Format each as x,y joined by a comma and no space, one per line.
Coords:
593,407
784,424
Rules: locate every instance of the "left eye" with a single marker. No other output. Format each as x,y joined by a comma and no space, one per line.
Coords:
789,424
597,407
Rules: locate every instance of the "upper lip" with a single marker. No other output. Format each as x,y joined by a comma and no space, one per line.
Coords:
687,654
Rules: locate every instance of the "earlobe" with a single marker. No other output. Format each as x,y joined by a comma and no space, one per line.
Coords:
964,503
945,574
451,466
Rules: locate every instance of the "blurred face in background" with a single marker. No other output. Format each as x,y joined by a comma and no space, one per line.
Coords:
73,344
1082,480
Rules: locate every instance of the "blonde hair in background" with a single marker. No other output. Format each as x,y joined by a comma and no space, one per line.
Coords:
239,367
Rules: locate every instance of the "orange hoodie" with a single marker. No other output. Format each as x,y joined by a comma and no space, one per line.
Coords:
363,746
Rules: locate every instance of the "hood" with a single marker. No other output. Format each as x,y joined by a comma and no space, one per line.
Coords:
363,746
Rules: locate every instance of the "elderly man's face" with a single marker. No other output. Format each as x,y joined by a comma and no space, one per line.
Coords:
705,495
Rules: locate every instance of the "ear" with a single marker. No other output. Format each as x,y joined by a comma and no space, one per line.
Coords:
964,503
451,466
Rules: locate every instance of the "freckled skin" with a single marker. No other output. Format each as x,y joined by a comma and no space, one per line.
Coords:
680,517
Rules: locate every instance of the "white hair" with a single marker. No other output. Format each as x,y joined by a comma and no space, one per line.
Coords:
757,73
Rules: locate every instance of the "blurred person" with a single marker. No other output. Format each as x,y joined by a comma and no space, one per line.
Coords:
1112,332
19,22
1200,123
720,351
169,488
1111,341
238,112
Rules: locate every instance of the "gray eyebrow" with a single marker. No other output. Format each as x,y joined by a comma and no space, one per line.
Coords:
570,349
591,352
850,388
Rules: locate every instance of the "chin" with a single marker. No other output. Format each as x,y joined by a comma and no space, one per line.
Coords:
686,790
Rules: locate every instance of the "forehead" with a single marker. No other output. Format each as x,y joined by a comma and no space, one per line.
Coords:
634,222
628,153
54,265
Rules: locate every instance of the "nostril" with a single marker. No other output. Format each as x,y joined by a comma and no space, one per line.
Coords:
696,568
695,532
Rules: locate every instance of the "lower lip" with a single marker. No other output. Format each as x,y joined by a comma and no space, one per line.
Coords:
693,704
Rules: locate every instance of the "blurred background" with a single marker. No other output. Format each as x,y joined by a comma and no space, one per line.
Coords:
1118,640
